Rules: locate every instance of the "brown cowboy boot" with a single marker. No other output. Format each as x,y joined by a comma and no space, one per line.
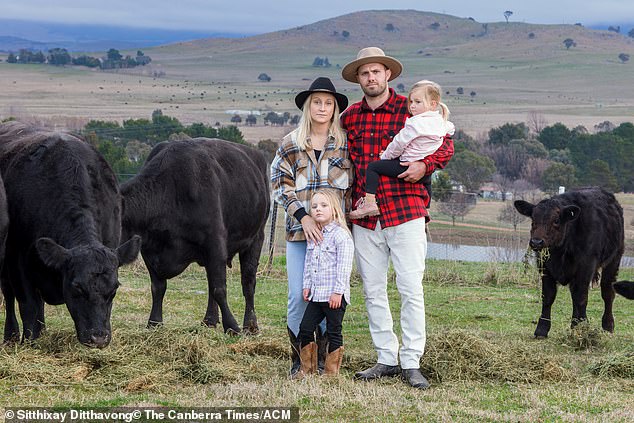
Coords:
333,362
308,358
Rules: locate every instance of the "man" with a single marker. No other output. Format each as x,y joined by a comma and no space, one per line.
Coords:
398,233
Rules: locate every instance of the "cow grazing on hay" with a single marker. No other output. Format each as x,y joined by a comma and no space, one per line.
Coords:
64,232
204,201
581,233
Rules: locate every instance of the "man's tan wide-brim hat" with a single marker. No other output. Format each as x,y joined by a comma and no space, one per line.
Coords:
371,55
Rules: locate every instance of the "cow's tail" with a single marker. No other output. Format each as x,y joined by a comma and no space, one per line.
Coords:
269,263
625,288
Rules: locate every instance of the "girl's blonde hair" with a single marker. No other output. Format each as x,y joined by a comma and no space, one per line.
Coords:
306,122
334,200
431,92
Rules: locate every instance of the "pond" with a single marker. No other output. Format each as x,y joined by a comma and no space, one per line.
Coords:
486,254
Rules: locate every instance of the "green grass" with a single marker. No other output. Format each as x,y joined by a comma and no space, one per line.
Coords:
481,357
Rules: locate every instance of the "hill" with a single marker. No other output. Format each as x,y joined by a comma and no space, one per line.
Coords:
505,71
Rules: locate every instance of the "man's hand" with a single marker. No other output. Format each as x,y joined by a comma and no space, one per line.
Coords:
305,294
415,171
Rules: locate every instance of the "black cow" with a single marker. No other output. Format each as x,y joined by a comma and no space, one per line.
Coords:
204,201
583,232
625,288
4,224
65,227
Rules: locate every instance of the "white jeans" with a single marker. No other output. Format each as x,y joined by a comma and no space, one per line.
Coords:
406,246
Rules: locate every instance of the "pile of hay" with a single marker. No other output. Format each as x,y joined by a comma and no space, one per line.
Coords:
139,360
457,355
583,337
619,364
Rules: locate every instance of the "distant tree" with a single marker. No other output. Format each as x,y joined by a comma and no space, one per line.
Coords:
531,35
441,185
557,136
507,132
11,58
251,120
318,62
389,27
624,57
236,119
510,215
470,169
485,28
579,24
631,33
569,42
58,57
616,29
536,121
113,54
507,15
458,204
231,133
435,26
137,151
400,87
605,126
472,94
345,34
598,173
88,61
556,175
264,77
294,120
139,53
460,90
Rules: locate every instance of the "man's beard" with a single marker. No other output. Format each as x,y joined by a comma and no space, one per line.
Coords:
375,91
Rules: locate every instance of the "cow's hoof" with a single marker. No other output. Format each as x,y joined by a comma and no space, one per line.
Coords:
250,330
151,324
232,331
541,336
209,323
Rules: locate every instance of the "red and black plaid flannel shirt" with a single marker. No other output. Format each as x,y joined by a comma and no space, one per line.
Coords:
369,132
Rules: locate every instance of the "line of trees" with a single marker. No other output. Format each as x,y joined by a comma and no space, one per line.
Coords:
126,146
518,160
60,57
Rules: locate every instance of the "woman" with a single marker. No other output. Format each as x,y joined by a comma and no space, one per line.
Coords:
313,156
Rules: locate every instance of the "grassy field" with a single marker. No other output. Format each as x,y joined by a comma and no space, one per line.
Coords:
481,357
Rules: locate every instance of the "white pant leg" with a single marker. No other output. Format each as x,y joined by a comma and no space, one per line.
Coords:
408,248
372,257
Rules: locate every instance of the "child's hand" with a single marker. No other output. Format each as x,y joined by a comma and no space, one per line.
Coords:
335,301
306,293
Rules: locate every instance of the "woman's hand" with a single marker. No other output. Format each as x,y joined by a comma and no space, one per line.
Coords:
306,293
335,300
312,229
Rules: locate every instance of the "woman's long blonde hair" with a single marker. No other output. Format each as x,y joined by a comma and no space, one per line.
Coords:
306,122
334,200
431,92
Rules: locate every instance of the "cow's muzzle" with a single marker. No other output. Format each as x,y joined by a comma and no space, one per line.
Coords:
536,244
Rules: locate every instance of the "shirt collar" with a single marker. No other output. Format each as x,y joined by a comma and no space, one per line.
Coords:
330,227
389,105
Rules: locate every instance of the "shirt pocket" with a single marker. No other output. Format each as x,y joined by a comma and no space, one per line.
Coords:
339,172
355,142
301,174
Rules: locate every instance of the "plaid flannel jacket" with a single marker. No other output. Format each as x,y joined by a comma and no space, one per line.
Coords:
296,174
369,132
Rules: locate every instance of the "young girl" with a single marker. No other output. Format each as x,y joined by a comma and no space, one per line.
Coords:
326,285
421,136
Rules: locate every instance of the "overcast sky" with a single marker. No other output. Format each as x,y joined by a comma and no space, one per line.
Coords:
260,16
